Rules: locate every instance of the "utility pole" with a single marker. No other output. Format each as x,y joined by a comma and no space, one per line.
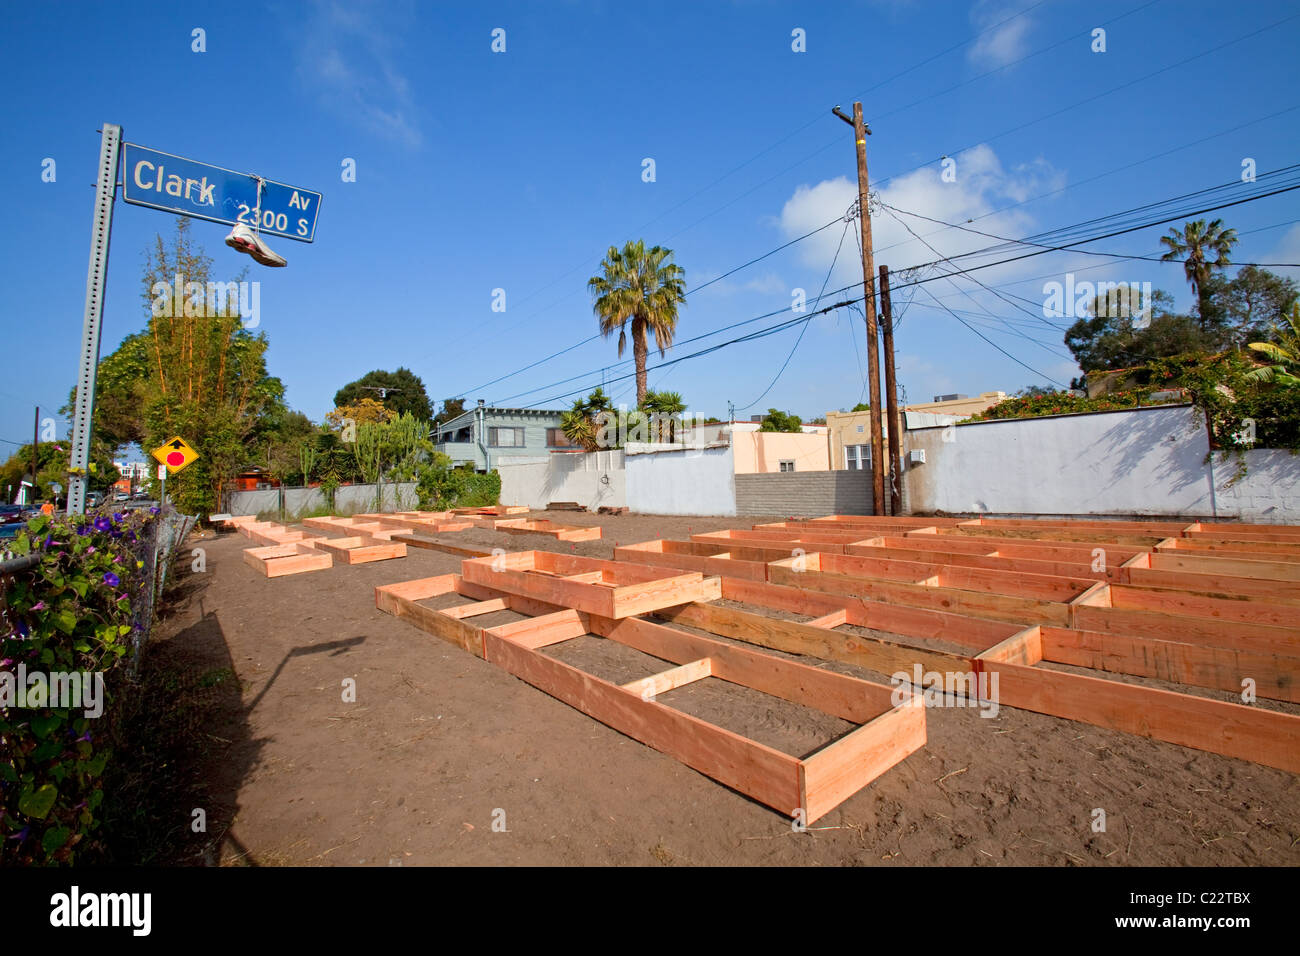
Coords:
860,134
891,397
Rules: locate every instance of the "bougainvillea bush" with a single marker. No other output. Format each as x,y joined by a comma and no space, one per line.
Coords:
1063,403
75,611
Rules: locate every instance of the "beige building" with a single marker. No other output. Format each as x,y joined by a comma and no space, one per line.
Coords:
963,405
850,432
758,452
850,440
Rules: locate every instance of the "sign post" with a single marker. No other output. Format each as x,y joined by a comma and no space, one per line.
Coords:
174,455
185,187
96,275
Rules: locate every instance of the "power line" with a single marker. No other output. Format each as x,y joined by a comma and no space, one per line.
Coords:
957,272
689,293
1006,66
1111,172
752,336
892,213
825,282
823,149
1118,232
1097,96
1086,252
896,175
1102,265
991,342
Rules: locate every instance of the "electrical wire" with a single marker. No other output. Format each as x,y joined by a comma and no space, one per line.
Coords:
825,282
918,282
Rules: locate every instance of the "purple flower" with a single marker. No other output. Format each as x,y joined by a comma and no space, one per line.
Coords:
111,579
90,550
21,834
85,736
117,516
23,630
154,510
83,530
49,540
102,523
38,606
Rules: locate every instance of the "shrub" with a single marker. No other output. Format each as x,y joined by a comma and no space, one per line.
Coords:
443,488
1063,403
72,612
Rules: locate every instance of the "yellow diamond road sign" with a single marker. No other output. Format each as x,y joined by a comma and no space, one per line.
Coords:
175,454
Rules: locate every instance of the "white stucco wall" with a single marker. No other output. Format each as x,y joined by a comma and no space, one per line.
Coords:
1141,461
1270,491
662,480
593,480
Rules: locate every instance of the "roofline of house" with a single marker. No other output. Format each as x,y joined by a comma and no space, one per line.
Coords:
471,413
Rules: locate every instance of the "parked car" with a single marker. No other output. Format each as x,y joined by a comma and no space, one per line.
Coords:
94,499
12,514
121,496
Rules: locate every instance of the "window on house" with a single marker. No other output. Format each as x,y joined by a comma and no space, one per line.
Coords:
555,439
857,457
787,465
506,437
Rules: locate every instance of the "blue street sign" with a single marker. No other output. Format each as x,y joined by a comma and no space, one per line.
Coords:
189,188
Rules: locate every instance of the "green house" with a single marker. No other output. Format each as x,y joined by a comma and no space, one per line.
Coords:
480,437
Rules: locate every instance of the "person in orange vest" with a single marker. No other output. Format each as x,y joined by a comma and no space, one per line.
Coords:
47,509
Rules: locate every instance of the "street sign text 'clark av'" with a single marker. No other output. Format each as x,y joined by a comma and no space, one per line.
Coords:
190,188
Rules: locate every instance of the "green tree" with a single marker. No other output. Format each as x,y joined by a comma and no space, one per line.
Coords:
666,409
1201,248
451,408
642,286
1108,339
779,421
195,371
287,434
1251,304
582,423
121,393
400,391
1285,354
52,461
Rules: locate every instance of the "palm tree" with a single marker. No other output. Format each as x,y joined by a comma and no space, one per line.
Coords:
643,285
1201,248
666,407
580,423
1286,353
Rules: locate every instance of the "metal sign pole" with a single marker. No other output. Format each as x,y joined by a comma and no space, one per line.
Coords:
84,409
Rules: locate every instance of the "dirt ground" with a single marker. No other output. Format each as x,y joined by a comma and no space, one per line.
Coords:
439,745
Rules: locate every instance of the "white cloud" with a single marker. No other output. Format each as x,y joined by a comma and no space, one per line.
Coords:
768,284
347,60
1005,43
981,186
1287,250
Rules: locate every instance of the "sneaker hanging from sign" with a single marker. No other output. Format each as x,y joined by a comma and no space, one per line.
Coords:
245,240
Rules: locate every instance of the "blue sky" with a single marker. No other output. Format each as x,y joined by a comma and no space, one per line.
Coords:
478,171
